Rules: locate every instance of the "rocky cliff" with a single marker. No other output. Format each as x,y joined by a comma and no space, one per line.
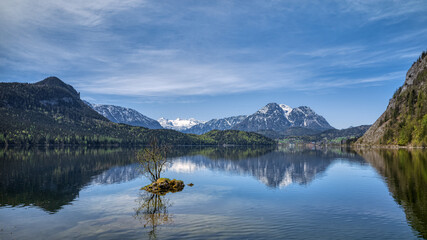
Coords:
405,120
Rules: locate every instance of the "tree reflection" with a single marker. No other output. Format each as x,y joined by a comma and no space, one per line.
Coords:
52,178
406,175
152,211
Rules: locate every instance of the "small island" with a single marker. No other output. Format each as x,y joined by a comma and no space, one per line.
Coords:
152,161
164,185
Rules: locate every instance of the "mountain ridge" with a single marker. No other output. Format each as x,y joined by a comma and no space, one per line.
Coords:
272,117
215,124
119,114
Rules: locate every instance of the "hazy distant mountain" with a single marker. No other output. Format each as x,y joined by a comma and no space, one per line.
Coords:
129,116
281,117
179,124
330,135
216,124
292,131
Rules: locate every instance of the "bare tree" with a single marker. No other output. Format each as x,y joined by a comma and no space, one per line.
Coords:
153,160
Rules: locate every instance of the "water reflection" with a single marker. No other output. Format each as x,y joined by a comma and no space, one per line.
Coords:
274,168
118,174
50,179
152,211
406,175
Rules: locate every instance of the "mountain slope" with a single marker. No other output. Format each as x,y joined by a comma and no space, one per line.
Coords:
216,124
128,116
51,112
404,122
329,136
305,117
234,137
279,118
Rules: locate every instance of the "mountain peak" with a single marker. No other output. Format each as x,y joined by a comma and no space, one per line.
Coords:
280,117
286,109
268,108
56,82
51,81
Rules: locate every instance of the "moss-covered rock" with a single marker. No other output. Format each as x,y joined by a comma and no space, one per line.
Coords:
164,185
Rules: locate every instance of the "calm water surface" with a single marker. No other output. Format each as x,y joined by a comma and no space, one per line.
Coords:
238,193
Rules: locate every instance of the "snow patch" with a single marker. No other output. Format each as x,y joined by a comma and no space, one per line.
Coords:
179,124
286,109
263,110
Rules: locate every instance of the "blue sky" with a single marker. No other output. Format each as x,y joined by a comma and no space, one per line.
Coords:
213,59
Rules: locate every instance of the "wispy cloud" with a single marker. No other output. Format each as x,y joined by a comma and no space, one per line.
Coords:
179,77
158,49
57,12
333,51
377,10
351,57
408,36
329,83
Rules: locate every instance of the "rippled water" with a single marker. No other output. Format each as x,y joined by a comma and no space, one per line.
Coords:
238,193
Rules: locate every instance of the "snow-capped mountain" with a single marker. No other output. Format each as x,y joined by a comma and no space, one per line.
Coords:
305,117
273,117
129,116
179,124
270,117
216,124
278,118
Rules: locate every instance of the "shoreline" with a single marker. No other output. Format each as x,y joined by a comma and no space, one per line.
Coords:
361,146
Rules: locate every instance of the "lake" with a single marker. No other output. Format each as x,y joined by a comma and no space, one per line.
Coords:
238,193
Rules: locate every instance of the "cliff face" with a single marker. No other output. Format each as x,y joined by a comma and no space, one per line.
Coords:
405,120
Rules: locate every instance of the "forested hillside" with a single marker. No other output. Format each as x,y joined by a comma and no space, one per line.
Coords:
51,112
405,120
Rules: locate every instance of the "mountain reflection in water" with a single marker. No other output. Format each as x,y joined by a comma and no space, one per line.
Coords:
51,179
274,169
